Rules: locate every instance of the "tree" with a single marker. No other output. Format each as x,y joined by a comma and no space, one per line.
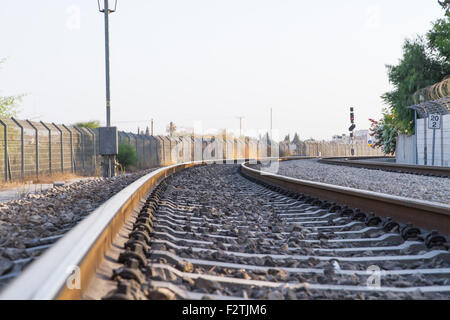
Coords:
171,128
296,139
417,69
425,62
439,38
9,104
384,134
445,4
93,124
287,139
127,155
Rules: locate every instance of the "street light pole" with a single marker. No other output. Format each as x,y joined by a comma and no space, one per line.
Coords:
108,90
109,157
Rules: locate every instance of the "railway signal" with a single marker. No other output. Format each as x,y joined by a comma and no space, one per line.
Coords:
352,128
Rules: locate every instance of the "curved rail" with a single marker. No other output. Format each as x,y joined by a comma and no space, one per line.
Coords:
425,214
84,246
396,167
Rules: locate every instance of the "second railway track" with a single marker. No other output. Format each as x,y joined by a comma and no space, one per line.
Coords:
210,232
371,163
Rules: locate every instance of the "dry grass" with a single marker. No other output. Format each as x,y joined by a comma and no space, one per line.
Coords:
40,180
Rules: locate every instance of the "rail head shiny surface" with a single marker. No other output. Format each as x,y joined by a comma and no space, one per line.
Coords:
406,168
416,211
47,277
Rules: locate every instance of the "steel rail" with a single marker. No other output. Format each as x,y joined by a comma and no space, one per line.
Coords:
424,214
85,245
396,167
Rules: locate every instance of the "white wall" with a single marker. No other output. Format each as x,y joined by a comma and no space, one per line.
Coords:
442,147
405,149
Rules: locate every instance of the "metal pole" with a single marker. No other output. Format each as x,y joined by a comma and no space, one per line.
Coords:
136,143
143,150
425,144
37,147
93,148
434,146
22,148
442,140
83,150
108,91
416,155
109,161
61,140
49,146
72,160
5,132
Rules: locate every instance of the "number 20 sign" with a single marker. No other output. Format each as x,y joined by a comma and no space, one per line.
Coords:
434,122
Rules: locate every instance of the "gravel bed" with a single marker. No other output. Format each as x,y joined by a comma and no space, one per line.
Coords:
218,201
24,222
394,183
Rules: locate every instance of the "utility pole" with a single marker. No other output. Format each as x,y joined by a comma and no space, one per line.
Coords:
108,135
240,125
108,87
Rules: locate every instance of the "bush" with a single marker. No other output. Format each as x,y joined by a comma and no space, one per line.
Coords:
127,155
93,124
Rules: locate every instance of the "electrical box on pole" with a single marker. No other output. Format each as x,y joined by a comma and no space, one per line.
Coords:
108,141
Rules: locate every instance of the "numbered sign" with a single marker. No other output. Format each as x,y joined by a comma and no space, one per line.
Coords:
434,121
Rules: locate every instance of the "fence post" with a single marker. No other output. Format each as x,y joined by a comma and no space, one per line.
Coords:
61,148
83,150
136,142
143,150
93,148
5,128
49,146
128,137
22,149
37,146
72,161
144,139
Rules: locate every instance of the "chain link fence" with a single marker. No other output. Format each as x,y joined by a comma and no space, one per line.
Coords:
33,149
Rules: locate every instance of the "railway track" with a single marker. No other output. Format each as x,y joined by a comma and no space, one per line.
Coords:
32,224
226,232
364,162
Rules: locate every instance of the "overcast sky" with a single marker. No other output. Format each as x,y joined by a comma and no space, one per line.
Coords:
208,61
